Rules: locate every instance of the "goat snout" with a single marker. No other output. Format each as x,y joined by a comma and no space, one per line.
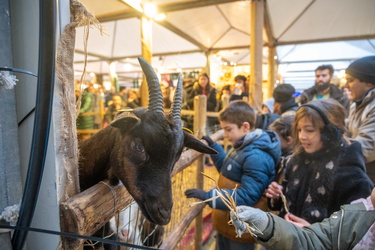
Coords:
124,233
165,213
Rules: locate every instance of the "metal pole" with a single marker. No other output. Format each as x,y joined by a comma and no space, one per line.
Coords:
46,70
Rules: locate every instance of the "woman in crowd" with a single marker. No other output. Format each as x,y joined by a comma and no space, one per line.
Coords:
115,105
325,171
133,100
202,87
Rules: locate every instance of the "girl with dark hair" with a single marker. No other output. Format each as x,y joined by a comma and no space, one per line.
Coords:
202,87
325,171
240,88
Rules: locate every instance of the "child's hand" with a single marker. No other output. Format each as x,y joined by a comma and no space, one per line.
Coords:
220,134
297,221
195,193
274,190
252,216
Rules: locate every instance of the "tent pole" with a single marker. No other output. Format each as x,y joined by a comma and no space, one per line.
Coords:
271,70
208,63
256,54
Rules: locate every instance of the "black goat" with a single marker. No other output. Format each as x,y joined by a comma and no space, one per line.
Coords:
140,148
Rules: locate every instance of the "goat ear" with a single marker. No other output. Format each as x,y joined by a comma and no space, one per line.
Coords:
191,141
139,111
125,123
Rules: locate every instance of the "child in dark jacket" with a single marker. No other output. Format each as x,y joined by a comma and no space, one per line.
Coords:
325,171
249,165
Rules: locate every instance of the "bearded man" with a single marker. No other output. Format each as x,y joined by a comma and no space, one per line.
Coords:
323,89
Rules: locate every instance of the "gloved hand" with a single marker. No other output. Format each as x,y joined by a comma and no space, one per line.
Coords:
195,193
255,218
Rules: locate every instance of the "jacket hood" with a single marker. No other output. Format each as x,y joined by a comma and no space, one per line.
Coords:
265,140
289,105
367,97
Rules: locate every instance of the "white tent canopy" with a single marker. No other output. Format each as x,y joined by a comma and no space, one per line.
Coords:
306,33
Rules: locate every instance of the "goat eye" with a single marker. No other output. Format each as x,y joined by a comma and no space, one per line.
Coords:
139,147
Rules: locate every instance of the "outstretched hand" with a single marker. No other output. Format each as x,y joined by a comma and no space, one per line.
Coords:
274,190
297,221
195,193
255,218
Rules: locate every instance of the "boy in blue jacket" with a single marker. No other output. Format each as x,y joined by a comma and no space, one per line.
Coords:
249,164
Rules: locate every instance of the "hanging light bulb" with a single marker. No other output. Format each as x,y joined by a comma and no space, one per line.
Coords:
160,17
150,9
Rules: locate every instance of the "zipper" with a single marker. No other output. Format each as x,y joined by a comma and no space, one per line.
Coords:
339,235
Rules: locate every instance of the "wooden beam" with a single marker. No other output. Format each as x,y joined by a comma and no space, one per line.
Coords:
271,71
162,8
120,58
321,61
101,57
334,39
256,54
192,5
88,211
268,27
119,16
177,233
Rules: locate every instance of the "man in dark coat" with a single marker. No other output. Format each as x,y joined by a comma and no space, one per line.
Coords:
323,88
285,103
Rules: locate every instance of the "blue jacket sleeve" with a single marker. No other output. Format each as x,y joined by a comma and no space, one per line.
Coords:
218,158
258,172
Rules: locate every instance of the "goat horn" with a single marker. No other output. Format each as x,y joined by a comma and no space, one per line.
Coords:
177,101
155,102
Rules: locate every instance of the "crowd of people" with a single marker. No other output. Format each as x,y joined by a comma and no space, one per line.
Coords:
95,100
301,170
303,179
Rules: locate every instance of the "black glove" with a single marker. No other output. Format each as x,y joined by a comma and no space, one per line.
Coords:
195,193
208,140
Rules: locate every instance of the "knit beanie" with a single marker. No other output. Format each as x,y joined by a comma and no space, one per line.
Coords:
269,103
363,69
283,92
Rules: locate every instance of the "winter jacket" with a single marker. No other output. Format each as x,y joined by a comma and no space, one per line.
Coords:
87,121
361,126
252,167
234,97
318,184
197,90
188,103
289,107
335,93
345,229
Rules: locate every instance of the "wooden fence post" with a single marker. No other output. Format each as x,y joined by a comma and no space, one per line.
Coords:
200,118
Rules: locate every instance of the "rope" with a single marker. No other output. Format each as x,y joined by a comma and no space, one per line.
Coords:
114,197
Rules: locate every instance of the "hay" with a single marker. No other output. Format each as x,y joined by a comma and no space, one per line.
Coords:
229,202
283,198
